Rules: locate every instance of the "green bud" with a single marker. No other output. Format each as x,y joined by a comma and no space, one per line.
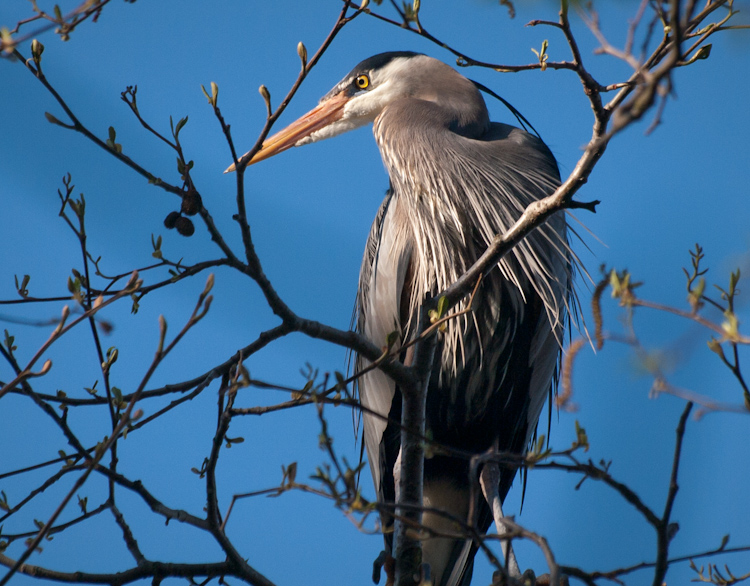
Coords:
734,277
36,51
715,346
392,338
209,284
731,325
111,140
6,40
214,96
704,52
180,125
302,52
52,119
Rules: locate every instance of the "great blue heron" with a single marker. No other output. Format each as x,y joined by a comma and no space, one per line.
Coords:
456,180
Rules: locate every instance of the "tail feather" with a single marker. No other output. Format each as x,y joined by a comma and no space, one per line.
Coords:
463,566
451,560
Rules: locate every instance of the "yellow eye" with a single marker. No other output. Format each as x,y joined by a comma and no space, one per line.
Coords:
362,82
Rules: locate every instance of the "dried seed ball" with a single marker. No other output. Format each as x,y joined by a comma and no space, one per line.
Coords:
191,203
171,220
184,226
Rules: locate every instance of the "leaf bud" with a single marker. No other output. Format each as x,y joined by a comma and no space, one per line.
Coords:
36,51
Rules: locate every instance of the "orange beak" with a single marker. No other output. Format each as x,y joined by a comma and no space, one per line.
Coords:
319,117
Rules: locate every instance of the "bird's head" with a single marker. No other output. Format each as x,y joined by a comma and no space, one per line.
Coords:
367,89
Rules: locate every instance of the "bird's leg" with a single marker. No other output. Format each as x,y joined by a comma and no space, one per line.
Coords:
489,480
397,475
390,562
390,570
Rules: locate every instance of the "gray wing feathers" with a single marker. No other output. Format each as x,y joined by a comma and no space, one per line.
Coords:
381,285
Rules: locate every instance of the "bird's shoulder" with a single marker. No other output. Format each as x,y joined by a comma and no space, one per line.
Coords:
501,133
515,145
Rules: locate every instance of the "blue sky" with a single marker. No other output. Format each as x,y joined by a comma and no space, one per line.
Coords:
310,211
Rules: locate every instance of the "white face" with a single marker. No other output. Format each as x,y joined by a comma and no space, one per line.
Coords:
384,85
